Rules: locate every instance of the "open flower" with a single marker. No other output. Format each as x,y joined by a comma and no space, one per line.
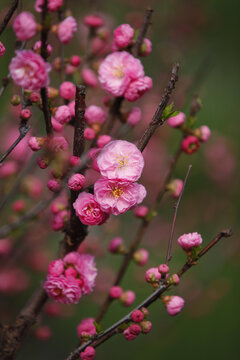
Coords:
88,210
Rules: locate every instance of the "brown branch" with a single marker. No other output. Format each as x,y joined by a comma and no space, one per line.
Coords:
8,16
176,206
44,54
142,33
157,119
114,329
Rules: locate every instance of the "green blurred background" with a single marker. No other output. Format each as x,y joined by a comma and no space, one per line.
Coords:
203,36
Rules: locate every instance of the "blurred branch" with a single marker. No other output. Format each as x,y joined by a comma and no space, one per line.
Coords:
157,118
163,286
8,16
142,33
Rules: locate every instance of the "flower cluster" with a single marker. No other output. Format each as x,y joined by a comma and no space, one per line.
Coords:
71,278
139,325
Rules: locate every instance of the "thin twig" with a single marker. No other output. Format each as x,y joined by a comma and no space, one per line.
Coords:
112,330
176,206
157,119
8,16
142,32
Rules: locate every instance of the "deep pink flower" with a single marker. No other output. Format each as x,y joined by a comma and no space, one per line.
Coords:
7,169
93,20
137,316
75,60
63,114
146,326
76,182
2,49
67,90
138,88
71,106
134,116
89,77
116,197
86,327
95,115
88,353
89,134
174,304
29,70
25,26
88,210
66,29
43,333
163,269
176,120
53,5
187,241
53,185
56,268
121,160
5,247
128,334
115,292
118,70
190,144
123,35
63,290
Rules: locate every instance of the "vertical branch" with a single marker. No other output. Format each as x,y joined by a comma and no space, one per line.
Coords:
176,206
142,33
8,16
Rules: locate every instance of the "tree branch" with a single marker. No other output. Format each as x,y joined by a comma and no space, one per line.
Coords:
142,33
8,16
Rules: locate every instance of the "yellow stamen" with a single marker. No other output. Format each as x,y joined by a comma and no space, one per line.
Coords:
117,192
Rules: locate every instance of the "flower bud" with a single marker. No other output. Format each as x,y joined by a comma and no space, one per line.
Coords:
141,257
141,211
15,100
76,182
152,275
127,298
116,245
137,316
146,326
25,114
115,292
163,269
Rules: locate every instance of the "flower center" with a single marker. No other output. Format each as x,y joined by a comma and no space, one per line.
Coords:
118,72
122,161
117,192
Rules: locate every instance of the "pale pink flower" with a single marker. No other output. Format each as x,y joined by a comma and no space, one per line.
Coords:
29,70
175,187
163,269
141,211
2,49
56,125
88,353
123,35
103,140
25,26
152,275
174,304
187,241
95,115
176,120
115,245
134,116
53,5
71,258
116,197
141,257
86,327
204,133
37,47
87,272
67,90
127,298
76,182
89,77
58,143
63,290
146,47
35,143
63,114
138,88
88,210
118,70
93,20
66,29
56,268
71,106
121,160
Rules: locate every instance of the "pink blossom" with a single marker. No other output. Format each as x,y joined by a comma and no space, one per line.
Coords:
34,97
59,220
127,298
88,210
141,257
140,211
63,290
123,35
58,143
56,268
5,247
52,309
56,125
121,160
137,316
152,275
115,292
174,279
53,5
187,241
93,20
95,115
89,77
176,120
19,205
63,114
75,60
103,140
2,49
71,258
37,47
190,144
134,116
25,26
43,333
118,70
32,186
76,182
74,160
29,70
67,90
87,271
174,304
204,133
89,134
163,269
13,280
71,106
128,334
86,327
146,326
88,353
146,47
115,245
66,29
7,169
70,272
25,114
116,197
35,143
53,185
138,88
175,187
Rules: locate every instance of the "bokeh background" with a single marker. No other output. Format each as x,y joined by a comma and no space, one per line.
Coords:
203,37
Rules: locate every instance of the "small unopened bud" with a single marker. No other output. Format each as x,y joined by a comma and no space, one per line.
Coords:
25,114
116,245
141,257
53,185
127,298
141,211
115,292
152,275
137,316
163,269
174,279
34,97
146,326
15,100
